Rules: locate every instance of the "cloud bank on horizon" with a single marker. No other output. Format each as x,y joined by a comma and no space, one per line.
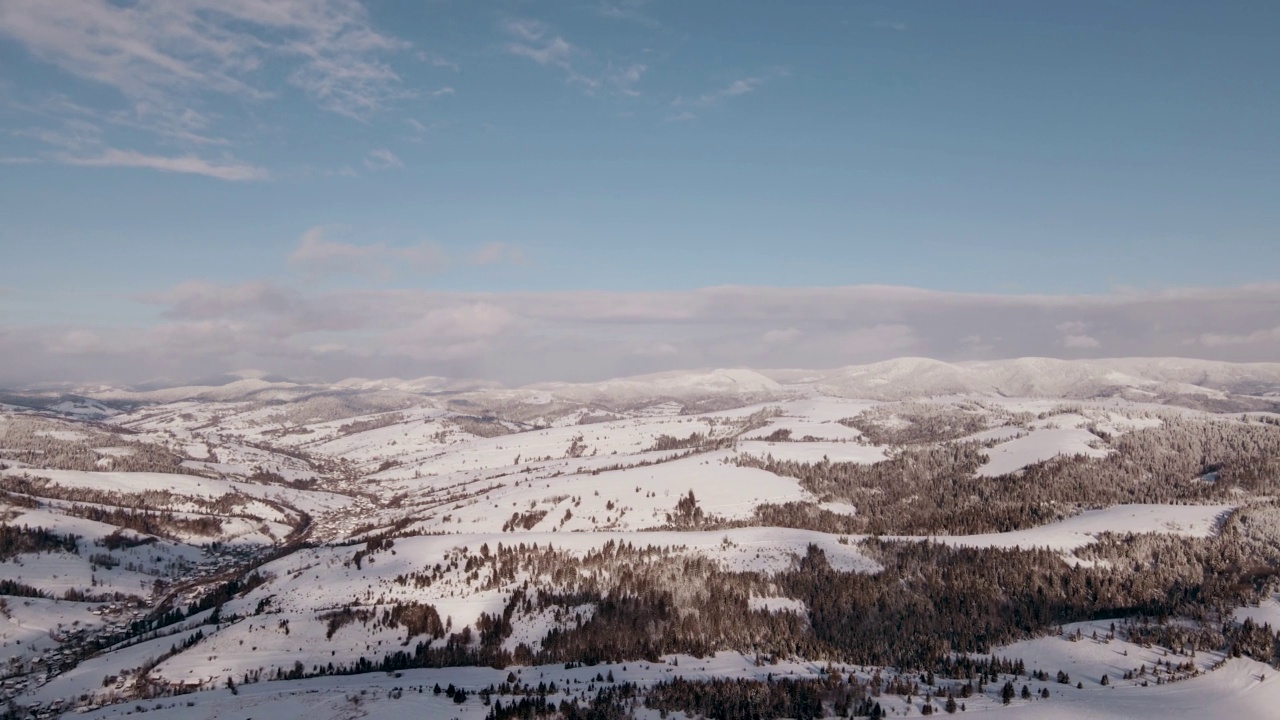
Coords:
297,326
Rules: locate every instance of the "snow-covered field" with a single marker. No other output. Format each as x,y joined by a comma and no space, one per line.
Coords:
1084,529
1239,690
299,478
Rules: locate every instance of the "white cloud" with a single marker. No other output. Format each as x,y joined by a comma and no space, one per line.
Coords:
382,159
554,52
656,350
165,53
781,337
1080,341
535,40
1257,337
878,341
111,157
438,61
202,300
624,79
75,342
170,62
1075,335
318,255
741,86
207,327
629,10
497,253
538,43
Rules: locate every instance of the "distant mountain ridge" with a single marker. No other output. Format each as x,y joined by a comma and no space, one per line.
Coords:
1203,383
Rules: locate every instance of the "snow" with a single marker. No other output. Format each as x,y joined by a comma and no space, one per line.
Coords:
29,622
1038,446
87,676
597,484
188,485
778,604
532,629
839,508
1083,529
1266,613
1234,691
813,452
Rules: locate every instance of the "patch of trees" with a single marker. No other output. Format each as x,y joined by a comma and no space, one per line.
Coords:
524,521
1250,639
267,477
163,524
43,487
485,427
56,445
15,540
415,618
373,423
779,435
933,489
117,540
695,440
616,702
687,515
933,608
22,501
238,587
931,602
105,560
916,423
921,490
17,589
335,620
740,699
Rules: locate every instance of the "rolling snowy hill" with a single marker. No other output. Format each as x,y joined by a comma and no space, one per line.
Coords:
299,541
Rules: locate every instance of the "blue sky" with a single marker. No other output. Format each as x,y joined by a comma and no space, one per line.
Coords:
526,151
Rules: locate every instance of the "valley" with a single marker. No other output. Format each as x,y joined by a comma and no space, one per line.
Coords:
896,539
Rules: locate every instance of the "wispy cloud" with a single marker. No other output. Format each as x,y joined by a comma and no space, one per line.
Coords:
894,25
382,159
191,164
716,98
497,253
1269,336
624,79
438,61
419,129
317,254
629,10
537,41
166,53
742,86
171,62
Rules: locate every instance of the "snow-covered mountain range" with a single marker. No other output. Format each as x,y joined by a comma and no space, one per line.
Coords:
253,545
900,379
